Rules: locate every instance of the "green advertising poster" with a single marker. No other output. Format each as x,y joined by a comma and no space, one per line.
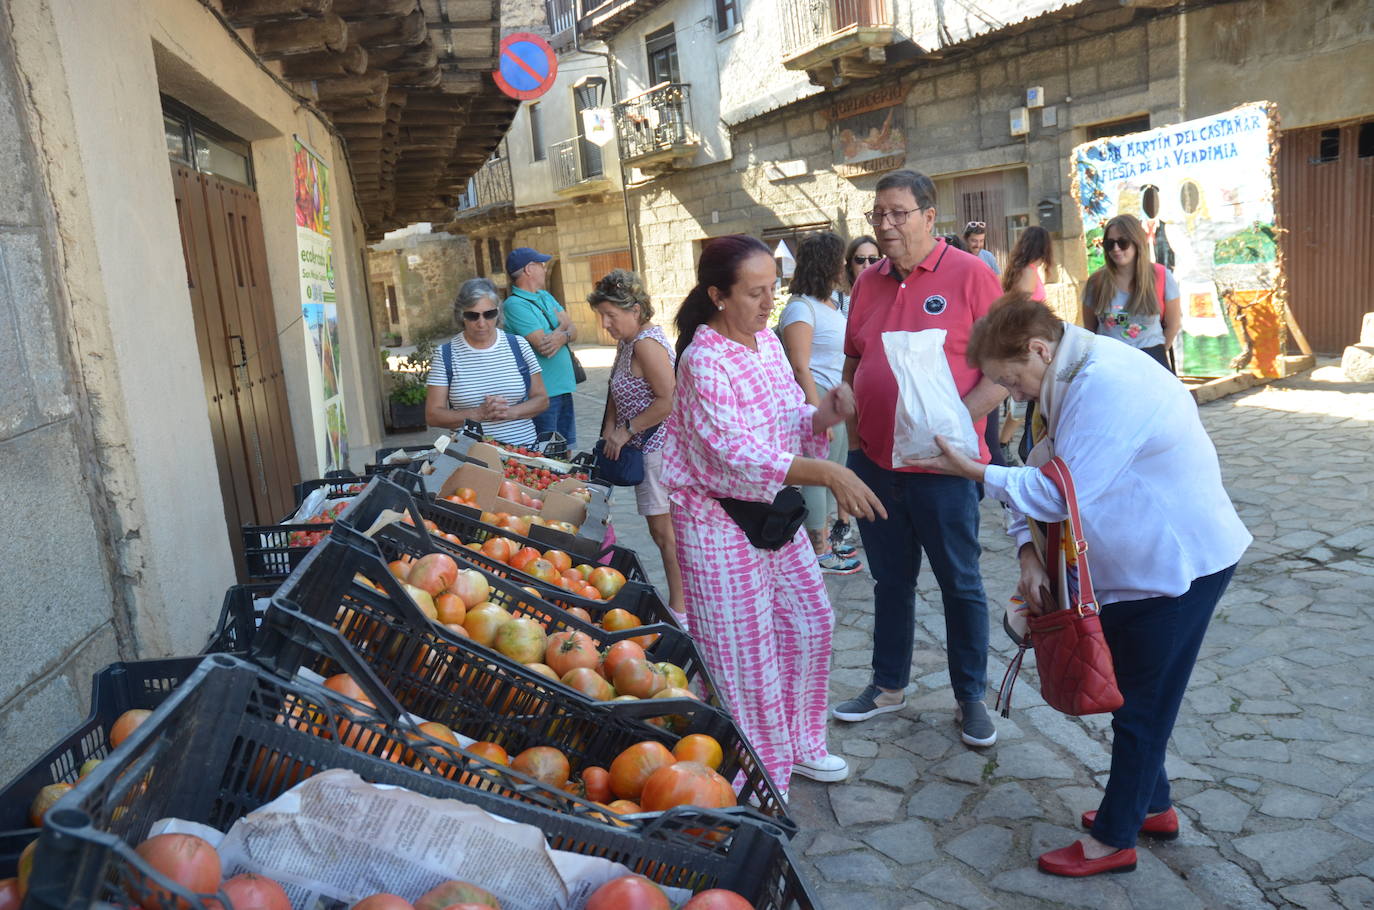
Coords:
315,262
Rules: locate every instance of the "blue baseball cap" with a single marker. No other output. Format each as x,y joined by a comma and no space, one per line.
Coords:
522,256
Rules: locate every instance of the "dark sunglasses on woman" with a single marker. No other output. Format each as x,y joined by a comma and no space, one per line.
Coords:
867,260
473,315
1115,243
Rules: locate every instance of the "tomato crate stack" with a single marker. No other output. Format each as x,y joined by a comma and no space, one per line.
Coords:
114,690
233,737
342,609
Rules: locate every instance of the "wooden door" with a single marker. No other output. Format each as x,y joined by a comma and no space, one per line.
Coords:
245,389
601,264
1326,211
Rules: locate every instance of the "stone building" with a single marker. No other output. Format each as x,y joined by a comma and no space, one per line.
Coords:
550,186
415,274
776,118
171,364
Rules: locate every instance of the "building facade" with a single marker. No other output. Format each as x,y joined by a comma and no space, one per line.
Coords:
777,118
186,190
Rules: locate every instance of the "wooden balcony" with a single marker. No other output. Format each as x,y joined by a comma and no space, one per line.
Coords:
655,129
835,41
602,19
490,195
578,169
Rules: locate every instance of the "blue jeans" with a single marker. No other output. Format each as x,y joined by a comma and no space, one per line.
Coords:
558,417
1154,645
938,514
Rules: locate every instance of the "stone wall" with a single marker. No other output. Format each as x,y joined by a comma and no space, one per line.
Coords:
62,616
425,288
956,123
586,230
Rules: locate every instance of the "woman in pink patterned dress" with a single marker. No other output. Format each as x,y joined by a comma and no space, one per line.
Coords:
762,617
641,396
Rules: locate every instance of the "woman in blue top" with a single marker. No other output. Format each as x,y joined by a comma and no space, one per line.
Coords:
1130,298
812,330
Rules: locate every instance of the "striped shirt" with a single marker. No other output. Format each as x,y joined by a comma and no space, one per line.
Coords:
475,373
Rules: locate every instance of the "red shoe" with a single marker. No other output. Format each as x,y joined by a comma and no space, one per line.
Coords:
1163,826
1070,861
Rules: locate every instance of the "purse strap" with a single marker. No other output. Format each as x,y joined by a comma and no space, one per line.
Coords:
1057,471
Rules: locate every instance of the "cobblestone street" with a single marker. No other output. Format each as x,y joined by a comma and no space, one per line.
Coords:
1273,751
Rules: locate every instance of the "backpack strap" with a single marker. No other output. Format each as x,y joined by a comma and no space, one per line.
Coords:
446,352
1160,282
520,363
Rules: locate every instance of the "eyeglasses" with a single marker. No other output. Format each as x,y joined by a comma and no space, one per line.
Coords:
896,216
868,259
473,315
976,224
1119,243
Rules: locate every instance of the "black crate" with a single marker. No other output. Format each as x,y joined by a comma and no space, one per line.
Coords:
240,616
464,522
509,584
325,621
338,487
269,733
378,468
114,690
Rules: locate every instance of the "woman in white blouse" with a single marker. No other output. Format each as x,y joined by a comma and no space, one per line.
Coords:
1163,535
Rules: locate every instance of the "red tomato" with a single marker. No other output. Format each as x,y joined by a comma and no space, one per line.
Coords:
434,573
718,899
9,894
184,859
253,892
619,652
568,650
456,893
545,764
633,767
686,783
629,892
699,747
127,723
383,902
597,782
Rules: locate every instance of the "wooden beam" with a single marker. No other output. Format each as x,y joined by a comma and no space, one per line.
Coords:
369,85
358,115
365,9
423,78
403,57
248,13
397,31
307,36
351,61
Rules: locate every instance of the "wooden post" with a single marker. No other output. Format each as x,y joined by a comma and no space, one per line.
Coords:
369,85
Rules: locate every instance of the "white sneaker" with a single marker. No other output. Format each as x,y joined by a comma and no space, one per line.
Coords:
826,769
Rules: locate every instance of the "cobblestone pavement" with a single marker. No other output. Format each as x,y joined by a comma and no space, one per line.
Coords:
1273,754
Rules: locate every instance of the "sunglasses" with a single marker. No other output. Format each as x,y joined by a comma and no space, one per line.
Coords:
868,259
1119,243
473,315
975,224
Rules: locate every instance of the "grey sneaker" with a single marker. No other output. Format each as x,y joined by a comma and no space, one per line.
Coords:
844,540
833,563
865,705
975,724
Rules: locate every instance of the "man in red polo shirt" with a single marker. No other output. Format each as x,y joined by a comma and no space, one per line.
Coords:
922,284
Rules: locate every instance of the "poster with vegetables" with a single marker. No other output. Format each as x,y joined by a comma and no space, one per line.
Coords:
1204,191
315,261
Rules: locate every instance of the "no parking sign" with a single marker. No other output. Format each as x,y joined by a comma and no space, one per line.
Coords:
526,66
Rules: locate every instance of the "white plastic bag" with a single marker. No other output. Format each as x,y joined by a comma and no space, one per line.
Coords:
928,403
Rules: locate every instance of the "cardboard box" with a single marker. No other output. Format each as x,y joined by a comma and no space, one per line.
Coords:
451,474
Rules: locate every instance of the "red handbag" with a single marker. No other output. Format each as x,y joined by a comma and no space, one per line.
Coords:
1071,653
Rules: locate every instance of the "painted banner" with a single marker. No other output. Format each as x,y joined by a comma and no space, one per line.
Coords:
315,258
869,131
1204,191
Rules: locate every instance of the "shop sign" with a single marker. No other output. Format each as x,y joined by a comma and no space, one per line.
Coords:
868,131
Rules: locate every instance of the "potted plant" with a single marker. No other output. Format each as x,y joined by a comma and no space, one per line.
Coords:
408,389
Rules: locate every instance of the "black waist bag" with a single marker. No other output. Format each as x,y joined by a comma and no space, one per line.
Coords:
768,525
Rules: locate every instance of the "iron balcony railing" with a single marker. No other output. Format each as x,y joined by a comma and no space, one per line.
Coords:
575,161
491,185
657,120
562,17
808,23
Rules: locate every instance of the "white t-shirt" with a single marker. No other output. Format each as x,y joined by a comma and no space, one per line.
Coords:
827,337
475,373
1139,331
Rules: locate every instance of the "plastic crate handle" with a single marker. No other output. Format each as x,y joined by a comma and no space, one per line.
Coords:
286,617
